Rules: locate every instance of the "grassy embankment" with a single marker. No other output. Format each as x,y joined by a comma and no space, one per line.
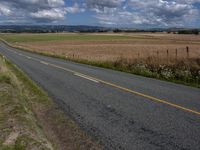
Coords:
150,55
30,120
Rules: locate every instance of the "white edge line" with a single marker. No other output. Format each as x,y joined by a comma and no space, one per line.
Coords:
44,62
86,77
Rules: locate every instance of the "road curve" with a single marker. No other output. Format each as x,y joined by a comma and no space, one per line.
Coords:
120,110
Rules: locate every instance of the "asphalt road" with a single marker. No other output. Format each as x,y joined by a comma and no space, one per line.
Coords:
121,110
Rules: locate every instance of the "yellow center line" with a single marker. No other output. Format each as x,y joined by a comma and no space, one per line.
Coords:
123,88
132,91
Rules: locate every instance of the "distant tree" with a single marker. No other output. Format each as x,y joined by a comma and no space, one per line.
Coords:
194,31
117,30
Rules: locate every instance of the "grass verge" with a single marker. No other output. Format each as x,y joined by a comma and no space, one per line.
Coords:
179,73
29,119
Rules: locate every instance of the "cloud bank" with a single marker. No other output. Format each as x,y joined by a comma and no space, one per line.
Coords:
159,13
146,12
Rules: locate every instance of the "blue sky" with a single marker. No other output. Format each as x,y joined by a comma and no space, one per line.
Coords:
110,13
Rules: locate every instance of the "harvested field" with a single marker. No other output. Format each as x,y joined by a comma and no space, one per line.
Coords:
102,47
102,51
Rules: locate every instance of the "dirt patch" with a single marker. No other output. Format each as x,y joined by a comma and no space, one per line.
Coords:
11,138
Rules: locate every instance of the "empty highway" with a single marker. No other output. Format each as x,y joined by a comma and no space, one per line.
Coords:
121,110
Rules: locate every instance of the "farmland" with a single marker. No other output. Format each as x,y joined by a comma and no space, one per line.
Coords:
154,55
104,47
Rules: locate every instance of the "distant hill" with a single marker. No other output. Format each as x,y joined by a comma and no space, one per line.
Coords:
50,28
82,28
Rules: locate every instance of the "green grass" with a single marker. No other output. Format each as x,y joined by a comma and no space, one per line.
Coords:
59,37
30,85
4,79
16,99
13,147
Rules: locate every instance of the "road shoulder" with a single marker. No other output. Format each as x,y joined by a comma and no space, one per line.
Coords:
29,118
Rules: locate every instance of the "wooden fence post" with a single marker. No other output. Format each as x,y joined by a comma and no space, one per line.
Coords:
187,50
167,56
157,54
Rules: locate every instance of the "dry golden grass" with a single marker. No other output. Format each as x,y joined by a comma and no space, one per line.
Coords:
19,128
139,46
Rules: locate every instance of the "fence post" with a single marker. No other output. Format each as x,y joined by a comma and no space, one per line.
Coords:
167,56
138,55
176,54
158,56
187,50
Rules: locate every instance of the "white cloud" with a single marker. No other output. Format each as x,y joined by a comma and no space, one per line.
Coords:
33,10
173,12
75,9
109,12
49,15
56,3
4,10
101,4
149,12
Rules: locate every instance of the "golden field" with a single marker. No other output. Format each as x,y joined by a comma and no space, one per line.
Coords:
131,46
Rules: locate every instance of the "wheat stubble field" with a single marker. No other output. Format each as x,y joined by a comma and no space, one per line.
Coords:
157,55
103,47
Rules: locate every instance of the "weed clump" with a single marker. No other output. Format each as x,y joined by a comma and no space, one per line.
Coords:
5,79
186,70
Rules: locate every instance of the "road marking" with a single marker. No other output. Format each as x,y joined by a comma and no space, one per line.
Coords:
28,57
152,98
86,77
43,62
132,91
120,87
